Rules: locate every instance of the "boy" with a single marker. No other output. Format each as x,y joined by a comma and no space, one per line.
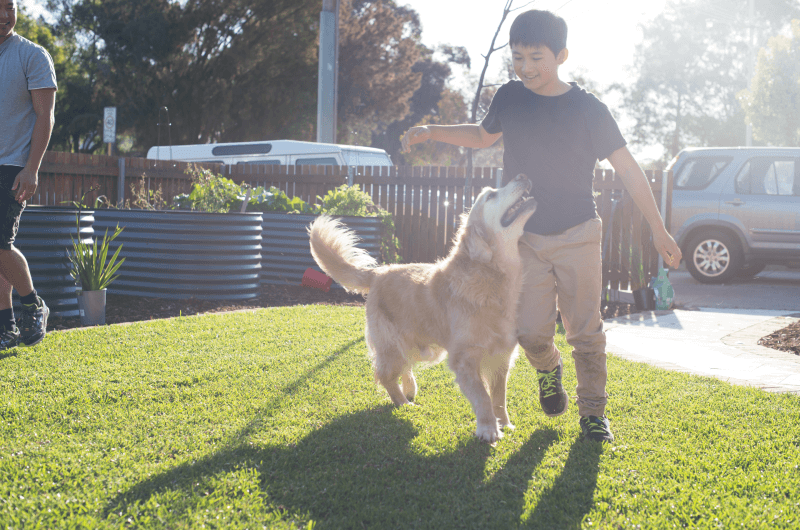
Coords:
28,88
554,132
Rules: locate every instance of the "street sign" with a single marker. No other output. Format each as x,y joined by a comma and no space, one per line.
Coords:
110,125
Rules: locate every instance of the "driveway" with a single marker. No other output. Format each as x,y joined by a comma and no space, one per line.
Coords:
775,288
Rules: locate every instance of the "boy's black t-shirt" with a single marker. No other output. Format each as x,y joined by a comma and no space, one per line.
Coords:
555,141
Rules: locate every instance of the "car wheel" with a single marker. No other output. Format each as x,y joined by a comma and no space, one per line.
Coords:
750,270
713,257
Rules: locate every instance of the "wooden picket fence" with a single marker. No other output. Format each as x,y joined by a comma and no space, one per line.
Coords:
426,202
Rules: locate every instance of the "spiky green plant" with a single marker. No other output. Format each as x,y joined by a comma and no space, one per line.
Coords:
90,265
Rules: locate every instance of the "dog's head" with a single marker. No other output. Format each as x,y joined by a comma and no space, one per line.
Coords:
498,218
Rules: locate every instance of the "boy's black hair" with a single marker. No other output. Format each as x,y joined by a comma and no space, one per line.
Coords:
539,28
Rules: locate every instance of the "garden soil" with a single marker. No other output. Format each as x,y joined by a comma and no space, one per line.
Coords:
120,308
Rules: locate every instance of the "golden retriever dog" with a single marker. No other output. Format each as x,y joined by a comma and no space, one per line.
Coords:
463,306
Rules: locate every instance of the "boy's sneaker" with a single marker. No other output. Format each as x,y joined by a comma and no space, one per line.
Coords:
9,338
596,428
33,323
552,396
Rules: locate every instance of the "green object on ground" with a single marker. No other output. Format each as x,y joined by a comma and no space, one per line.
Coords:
665,294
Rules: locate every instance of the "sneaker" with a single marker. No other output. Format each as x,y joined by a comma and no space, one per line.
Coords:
596,428
552,396
33,323
9,338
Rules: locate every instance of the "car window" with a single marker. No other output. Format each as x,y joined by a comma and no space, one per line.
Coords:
697,173
259,163
767,176
325,161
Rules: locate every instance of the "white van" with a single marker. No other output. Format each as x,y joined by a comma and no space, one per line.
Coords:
278,152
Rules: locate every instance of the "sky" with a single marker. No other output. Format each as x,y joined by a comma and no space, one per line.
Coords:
602,34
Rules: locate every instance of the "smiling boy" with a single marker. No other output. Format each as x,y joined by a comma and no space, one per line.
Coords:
554,132
28,91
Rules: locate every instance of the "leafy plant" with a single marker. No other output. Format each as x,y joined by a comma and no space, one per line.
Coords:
350,200
89,262
275,200
145,198
210,192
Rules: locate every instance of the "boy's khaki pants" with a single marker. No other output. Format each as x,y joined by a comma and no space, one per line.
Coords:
564,272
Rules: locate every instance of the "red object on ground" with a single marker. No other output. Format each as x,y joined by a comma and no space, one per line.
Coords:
317,279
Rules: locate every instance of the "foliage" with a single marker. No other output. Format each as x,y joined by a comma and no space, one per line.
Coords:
90,265
378,58
772,104
211,192
154,425
689,68
275,200
224,71
144,198
216,194
350,200
78,113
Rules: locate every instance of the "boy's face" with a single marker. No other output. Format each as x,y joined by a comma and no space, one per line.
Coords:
537,68
8,18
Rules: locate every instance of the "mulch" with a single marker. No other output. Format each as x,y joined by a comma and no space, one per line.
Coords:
786,339
120,309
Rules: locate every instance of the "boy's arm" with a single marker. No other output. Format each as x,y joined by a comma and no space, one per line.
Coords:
467,135
636,183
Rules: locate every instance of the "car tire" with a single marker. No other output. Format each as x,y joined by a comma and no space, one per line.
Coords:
713,257
750,271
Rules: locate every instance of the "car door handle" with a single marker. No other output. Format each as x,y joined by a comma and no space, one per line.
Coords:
735,202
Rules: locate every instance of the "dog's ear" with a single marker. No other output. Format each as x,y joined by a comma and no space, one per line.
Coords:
477,244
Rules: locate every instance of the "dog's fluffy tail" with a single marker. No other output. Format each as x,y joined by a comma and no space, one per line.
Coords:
334,249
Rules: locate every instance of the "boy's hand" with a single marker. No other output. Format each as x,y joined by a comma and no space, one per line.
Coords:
668,248
415,135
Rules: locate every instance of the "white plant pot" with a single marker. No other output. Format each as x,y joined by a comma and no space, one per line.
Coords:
92,305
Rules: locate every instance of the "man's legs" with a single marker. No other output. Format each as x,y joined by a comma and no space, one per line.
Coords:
14,268
15,273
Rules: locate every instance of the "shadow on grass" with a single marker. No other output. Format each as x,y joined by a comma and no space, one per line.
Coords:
571,497
5,354
361,470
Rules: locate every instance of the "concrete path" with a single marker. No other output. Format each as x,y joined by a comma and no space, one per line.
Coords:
713,342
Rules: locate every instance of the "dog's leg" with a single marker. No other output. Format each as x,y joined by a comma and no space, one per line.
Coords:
497,384
409,384
466,365
389,366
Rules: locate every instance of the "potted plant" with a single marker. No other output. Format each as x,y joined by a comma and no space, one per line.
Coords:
92,269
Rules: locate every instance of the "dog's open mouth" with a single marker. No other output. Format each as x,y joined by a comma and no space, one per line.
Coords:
522,205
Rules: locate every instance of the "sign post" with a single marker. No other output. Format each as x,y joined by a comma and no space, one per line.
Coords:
110,127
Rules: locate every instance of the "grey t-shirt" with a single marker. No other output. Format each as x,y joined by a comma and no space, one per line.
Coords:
24,66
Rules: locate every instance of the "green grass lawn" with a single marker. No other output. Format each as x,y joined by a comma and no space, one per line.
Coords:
271,419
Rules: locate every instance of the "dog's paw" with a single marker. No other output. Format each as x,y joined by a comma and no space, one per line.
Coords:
489,433
507,425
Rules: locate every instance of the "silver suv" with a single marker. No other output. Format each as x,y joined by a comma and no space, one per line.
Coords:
736,210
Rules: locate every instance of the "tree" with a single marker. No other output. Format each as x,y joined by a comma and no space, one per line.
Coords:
378,71
432,102
689,68
77,120
238,70
772,104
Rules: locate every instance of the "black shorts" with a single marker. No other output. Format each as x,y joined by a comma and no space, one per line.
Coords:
12,210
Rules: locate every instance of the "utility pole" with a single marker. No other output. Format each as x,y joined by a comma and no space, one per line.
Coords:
752,65
327,87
